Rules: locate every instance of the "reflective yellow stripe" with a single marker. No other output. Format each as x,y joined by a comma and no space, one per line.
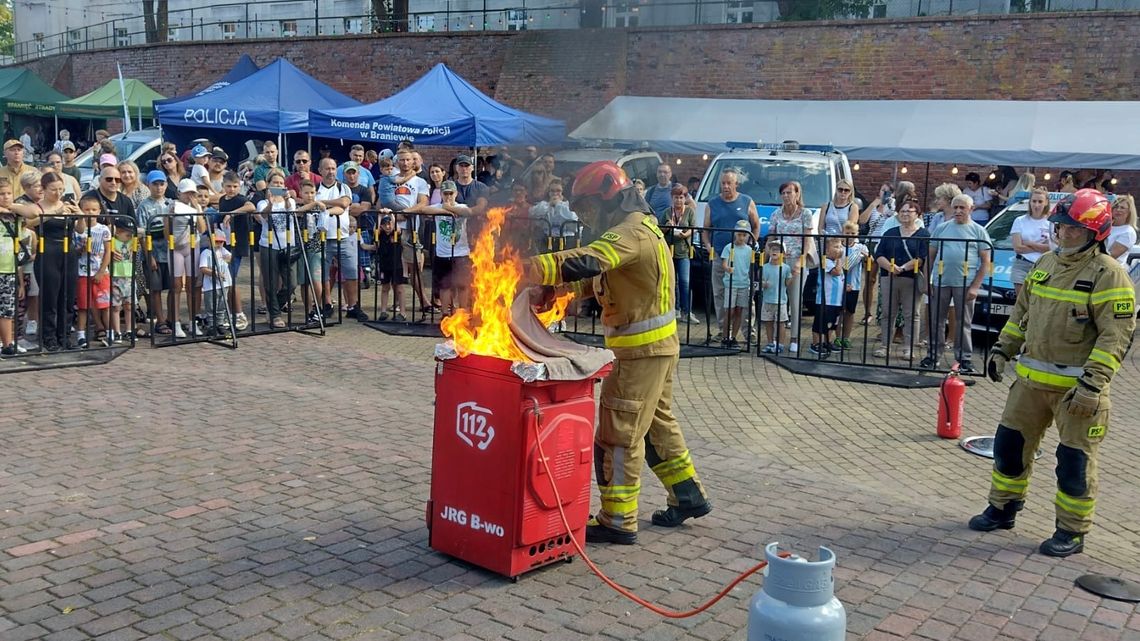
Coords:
1117,293
644,338
549,269
619,499
663,288
1007,484
1056,380
1013,330
607,251
1080,507
675,470
1104,358
1064,295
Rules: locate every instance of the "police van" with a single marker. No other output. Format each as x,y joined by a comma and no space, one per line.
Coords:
996,296
763,167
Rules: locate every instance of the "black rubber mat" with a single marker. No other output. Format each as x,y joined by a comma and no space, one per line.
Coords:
401,328
907,379
36,361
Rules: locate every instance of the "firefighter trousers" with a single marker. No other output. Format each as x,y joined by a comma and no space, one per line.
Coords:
636,425
1028,413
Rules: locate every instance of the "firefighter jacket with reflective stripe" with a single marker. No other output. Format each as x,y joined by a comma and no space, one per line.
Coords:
1073,321
629,270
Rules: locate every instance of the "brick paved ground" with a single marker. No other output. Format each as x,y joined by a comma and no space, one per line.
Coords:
277,492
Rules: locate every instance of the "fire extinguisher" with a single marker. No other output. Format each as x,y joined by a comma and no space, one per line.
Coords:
951,403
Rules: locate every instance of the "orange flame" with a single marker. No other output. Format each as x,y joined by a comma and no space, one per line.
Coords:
557,310
485,328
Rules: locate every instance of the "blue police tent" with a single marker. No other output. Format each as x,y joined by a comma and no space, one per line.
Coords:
275,99
441,109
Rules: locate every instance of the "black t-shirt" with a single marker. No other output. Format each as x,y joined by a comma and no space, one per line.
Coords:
361,194
470,193
112,208
240,224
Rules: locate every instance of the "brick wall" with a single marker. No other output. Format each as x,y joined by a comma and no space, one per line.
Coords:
571,74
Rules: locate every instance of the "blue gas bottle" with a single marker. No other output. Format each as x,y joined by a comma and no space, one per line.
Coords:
797,601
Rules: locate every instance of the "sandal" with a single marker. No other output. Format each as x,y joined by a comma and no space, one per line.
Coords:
866,320
140,332
163,329
278,323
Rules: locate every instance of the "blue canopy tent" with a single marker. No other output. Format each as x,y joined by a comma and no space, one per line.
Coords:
440,109
273,100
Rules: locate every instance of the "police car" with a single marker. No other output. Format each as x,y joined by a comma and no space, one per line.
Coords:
763,167
996,296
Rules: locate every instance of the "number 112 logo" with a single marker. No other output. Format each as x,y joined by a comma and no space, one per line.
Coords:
472,425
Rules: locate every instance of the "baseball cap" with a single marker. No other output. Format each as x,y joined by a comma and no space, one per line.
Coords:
220,154
743,225
186,185
385,219
108,159
463,160
67,144
219,236
199,151
351,166
154,176
13,143
386,153
124,222
448,185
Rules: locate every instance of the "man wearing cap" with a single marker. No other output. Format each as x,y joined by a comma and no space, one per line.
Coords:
471,192
14,166
356,155
151,217
217,170
69,155
363,204
108,160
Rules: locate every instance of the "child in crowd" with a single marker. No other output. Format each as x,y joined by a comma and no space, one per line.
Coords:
93,289
122,277
236,211
311,271
152,214
12,244
214,265
775,278
854,258
737,260
828,299
389,268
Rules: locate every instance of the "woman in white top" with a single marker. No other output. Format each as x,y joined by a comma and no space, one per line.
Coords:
1030,235
278,235
793,225
842,209
1123,235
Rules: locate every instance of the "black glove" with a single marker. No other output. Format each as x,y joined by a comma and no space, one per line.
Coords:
995,369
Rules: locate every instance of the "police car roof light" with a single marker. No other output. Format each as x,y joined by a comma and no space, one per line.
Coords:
790,145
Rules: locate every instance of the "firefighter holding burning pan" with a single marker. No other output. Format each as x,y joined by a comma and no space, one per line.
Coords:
629,270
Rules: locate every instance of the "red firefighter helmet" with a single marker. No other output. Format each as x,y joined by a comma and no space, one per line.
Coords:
602,178
1086,208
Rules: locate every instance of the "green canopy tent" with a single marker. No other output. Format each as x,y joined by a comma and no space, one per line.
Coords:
23,92
107,101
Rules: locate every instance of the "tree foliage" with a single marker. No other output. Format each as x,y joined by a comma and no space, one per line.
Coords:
7,29
791,10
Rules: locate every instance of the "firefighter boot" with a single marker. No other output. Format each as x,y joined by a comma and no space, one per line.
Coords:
996,519
674,516
598,533
1063,543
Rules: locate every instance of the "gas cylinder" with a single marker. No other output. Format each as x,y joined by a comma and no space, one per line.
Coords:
797,601
951,404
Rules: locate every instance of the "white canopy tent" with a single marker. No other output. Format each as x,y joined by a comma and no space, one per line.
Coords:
981,132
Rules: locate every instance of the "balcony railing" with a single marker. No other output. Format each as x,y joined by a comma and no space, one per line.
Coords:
280,18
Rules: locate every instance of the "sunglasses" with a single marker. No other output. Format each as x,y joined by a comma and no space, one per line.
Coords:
300,162
843,190
111,179
167,161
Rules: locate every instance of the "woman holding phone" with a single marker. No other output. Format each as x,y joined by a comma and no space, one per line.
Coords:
278,235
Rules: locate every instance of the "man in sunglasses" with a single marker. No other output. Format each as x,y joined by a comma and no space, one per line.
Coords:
112,202
302,170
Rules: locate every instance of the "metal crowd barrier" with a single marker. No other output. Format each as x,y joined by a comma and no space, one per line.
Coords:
57,303
920,298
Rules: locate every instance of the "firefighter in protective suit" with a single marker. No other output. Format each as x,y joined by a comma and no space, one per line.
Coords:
629,270
1072,326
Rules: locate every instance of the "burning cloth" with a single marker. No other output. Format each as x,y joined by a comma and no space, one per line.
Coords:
564,360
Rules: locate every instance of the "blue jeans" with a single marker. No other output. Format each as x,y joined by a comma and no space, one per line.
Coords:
681,267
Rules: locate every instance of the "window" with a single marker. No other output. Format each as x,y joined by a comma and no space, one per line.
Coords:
879,10
425,23
172,34
625,14
122,37
288,28
738,12
516,20
354,25
74,39
229,30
